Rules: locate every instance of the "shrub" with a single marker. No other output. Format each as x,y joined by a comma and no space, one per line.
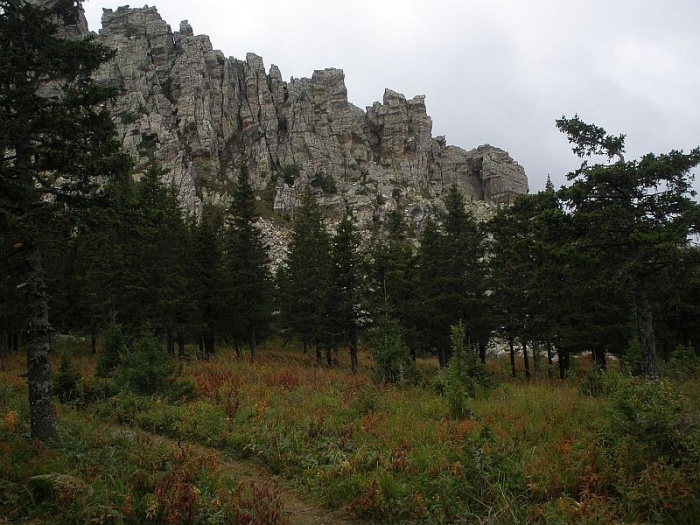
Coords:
683,364
114,345
324,181
390,353
289,173
653,441
464,378
66,384
145,368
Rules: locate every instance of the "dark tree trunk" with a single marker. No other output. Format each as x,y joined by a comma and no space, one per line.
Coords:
600,359
319,356
353,349
180,345
511,344
645,326
169,341
43,421
526,360
563,362
442,359
550,360
209,344
329,357
482,352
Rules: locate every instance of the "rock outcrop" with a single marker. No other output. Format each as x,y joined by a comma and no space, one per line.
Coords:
200,114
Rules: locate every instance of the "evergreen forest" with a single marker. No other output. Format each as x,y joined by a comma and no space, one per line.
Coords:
540,366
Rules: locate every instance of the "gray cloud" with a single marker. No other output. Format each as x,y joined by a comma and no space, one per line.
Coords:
499,72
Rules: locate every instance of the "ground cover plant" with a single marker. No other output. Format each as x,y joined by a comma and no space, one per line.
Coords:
542,451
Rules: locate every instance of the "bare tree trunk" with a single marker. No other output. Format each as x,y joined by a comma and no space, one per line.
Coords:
43,420
169,341
180,345
645,325
353,349
600,359
319,356
563,362
550,360
511,343
526,360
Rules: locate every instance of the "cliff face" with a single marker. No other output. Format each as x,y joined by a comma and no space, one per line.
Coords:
199,114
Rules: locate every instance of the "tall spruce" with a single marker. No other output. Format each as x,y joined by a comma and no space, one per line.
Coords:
57,144
303,281
530,272
206,276
160,249
637,216
246,269
451,279
347,290
392,276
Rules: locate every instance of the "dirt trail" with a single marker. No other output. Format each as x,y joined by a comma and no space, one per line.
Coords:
298,511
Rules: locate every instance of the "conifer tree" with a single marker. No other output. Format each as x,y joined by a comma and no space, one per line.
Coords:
57,143
346,290
205,283
451,279
634,217
159,251
248,283
304,280
392,276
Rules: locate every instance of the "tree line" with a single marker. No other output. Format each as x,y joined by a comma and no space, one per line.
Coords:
606,263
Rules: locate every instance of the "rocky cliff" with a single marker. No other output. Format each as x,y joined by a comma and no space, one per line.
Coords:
200,114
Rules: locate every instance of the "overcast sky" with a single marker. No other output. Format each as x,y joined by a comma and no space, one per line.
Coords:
493,71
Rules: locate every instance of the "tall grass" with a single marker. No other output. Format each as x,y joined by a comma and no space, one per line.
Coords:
530,452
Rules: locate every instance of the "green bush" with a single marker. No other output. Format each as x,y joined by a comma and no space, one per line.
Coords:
653,441
324,181
290,172
682,364
465,376
66,384
390,353
114,344
145,368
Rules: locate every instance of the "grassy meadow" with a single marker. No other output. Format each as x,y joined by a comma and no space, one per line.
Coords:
597,448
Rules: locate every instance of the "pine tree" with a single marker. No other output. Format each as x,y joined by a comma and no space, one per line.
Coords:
205,283
303,282
392,275
635,217
246,266
159,251
451,279
57,144
346,290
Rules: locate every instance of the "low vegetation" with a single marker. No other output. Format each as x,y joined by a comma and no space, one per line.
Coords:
597,448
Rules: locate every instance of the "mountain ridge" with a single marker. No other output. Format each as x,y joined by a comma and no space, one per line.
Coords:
200,114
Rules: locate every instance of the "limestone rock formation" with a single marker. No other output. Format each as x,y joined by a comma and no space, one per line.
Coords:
200,114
